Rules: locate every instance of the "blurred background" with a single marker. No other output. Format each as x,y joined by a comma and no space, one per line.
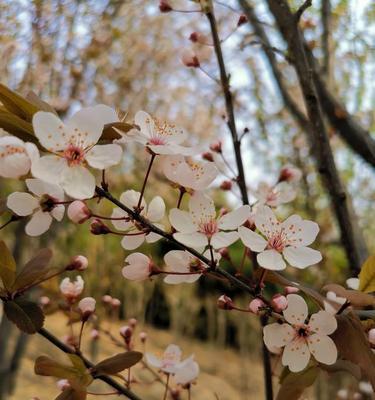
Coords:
127,54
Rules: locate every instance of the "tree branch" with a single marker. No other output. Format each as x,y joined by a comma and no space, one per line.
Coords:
302,9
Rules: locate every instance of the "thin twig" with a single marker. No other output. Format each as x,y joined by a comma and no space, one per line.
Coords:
302,9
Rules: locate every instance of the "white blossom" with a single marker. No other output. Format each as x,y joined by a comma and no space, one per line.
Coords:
273,196
169,362
187,372
139,267
72,289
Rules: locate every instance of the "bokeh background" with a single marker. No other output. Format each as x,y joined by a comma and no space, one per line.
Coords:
128,55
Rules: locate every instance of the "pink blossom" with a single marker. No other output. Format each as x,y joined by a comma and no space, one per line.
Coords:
256,305
279,302
72,289
169,362
78,263
78,212
87,307
273,196
225,303
290,174
139,267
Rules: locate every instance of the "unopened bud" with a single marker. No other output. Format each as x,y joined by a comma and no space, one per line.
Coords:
87,307
290,290
164,6
78,212
44,301
63,384
216,146
107,299
133,323
97,227
126,332
226,185
224,252
115,303
78,263
94,334
290,174
279,302
194,37
371,336
242,20
256,305
225,303
208,156
190,59
143,337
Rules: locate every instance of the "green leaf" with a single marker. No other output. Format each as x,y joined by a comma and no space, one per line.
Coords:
17,104
7,266
34,270
293,384
356,298
367,276
118,363
27,315
71,394
352,344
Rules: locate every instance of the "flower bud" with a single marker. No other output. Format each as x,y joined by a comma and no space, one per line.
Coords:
194,37
78,212
107,299
242,20
97,227
44,301
87,307
256,305
216,147
208,156
126,332
143,337
224,252
279,302
225,303
94,334
190,59
226,185
371,336
290,290
164,6
132,322
78,263
115,303
63,384
290,174
72,289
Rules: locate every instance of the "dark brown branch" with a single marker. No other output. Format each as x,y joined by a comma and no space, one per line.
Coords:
326,38
302,9
68,350
228,105
321,146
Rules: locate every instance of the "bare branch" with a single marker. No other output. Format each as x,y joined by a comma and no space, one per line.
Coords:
302,9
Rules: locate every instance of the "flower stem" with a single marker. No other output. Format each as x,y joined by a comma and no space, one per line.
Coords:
153,155
80,335
166,387
182,192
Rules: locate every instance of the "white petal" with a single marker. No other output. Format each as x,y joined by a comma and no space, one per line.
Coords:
39,223
181,221
323,348
302,257
202,207
153,360
130,198
121,225
278,335
271,259
153,237
146,123
104,156
178,260
296,355
58,212
50,131
195,239
297,311
300,232
132,242
266,221
137,258
223,239
323,323
177,279
235,218
39,188
251,239
352,283
78,182
135,272
49,168
156,209
90,122
22,203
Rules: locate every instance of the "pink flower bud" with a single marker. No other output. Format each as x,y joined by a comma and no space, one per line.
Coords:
94,334
255,305
132,322
44,301
371,336
194,37
107,299
226,185
290,174
225,303
224,252
216,147
143,337
290,290
190,59
97,227
208,156
139,267
115,303
63,384
279,302
72,289
78,212
87,307
78,263
164,6
242,20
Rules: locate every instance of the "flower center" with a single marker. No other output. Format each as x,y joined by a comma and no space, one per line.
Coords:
74,155
157,141
47,203
209,228
277,242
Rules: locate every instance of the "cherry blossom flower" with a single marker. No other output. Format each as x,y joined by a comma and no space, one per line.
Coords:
87,307
299,338
41,205
256,305
169,362
139,267
289,239
72,289
200,226
188,173
289,173
73,147
333,303
273,196
154,212
187,372
159,136
16,157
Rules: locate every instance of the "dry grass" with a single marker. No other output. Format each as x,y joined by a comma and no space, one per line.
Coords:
225,374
